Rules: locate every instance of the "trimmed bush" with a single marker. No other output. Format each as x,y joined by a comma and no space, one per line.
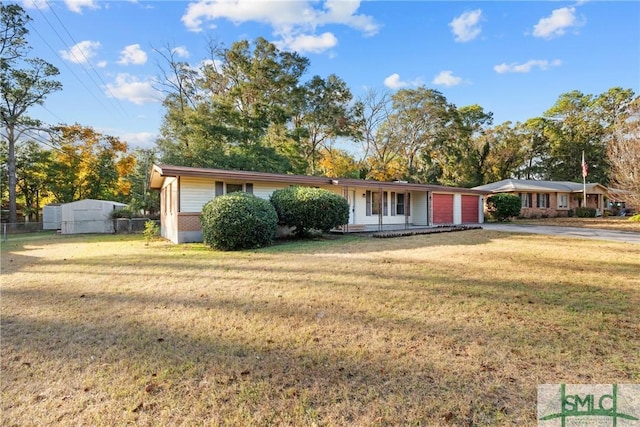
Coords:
306,208
503,206
583,212
238,221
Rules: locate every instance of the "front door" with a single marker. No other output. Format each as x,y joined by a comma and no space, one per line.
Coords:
351,198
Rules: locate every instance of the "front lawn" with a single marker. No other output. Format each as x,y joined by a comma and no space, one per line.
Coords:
446,329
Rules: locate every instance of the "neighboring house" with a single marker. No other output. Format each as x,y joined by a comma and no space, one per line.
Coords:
373,205
551,198
88,216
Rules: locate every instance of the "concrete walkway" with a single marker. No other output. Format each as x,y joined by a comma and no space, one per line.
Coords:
580,233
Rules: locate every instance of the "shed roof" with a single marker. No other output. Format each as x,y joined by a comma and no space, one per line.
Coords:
160,172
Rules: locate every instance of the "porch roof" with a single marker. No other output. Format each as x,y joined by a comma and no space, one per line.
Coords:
160,172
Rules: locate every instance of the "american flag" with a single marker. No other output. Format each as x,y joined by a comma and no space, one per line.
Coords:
585,168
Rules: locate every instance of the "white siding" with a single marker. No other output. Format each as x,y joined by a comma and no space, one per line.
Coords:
419,208
457,209
195,193
265,189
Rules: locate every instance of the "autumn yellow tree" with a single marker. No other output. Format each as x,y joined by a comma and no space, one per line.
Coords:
89,165
337,163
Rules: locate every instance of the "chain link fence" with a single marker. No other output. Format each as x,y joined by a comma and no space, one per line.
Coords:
111,226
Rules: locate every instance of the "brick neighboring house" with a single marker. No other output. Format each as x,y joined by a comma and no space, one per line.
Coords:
551,198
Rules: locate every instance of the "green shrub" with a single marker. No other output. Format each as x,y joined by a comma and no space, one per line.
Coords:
151,230
503,206
122,213
583,212
238,221
308,209
635,218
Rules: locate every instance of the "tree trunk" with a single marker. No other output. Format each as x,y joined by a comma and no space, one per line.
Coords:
11,167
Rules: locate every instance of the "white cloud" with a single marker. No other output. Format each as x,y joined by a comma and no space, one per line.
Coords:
132,54
394,82
77,5
295,22
466,27
35,4
101,64
139,139
180,51
557,23
446,78
82,52
132,89
526,67
306,43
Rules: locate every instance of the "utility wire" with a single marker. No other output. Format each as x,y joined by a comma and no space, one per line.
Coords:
80,61
70,70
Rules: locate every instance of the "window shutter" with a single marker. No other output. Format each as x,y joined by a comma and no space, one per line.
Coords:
248,188
219,188
385,203
407,204
393,203
368,200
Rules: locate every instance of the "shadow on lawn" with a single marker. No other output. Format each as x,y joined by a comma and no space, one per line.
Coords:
312,374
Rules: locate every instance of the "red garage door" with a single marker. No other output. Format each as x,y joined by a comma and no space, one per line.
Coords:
443,208
469,209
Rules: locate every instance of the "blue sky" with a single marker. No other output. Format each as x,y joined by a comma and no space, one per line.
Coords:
512,58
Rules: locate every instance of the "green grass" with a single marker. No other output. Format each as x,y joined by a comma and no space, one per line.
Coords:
447,329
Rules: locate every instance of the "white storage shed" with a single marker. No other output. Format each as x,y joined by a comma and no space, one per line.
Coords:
88,216
52,216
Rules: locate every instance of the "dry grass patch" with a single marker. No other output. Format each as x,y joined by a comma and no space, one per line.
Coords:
449,329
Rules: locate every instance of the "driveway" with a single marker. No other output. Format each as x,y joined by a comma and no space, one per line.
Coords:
580,233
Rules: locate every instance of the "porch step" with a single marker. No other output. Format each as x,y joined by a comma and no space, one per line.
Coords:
351,228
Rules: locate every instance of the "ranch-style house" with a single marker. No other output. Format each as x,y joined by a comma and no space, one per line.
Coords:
374,205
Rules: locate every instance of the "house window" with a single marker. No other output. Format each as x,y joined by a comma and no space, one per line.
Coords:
400,204
375,203
542,200
563,201
234,188
527,200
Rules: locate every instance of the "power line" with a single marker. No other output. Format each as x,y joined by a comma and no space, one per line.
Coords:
81,61
70,70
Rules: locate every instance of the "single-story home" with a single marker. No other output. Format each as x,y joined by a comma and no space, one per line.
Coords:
88,216
551,198
373,205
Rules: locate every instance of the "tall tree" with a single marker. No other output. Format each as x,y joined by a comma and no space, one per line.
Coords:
507,152
419,122
573,128
90,165
32,163
219,114
141,196
624,154
472,150
323,114
24,82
